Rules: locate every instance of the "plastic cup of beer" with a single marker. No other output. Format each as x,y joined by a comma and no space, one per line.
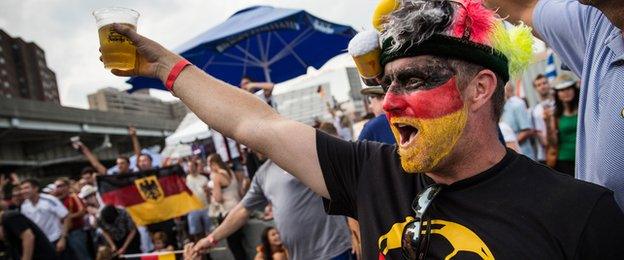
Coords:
118,52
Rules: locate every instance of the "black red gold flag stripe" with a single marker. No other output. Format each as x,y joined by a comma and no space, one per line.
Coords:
149,196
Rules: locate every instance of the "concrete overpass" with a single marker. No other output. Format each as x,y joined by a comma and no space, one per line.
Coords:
35,136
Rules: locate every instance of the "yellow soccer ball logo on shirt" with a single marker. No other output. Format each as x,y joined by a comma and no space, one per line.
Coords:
458,236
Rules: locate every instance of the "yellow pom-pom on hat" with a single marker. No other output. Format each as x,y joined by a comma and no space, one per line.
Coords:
384,7
516,43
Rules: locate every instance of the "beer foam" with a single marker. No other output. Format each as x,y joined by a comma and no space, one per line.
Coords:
110,15
364,42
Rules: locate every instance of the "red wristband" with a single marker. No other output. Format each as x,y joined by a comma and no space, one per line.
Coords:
174,73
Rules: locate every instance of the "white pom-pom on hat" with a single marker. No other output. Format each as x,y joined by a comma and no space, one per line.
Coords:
364,42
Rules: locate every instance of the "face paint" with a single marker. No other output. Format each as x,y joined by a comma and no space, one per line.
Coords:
426,124
425,104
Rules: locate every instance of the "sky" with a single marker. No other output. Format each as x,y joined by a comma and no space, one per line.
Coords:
66,31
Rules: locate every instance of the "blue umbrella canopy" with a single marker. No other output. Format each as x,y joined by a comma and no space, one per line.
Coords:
262,42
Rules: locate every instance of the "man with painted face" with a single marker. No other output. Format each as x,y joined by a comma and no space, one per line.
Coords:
448,175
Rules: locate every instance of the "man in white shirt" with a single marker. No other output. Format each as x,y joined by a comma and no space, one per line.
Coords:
511,141
546,102
199,222
48,213
516,115
230,153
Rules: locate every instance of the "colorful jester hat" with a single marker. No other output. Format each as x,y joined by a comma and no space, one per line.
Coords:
459,29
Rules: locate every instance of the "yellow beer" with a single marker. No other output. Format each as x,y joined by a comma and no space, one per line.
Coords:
118,52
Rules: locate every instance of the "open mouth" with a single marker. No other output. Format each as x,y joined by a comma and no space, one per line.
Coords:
407,133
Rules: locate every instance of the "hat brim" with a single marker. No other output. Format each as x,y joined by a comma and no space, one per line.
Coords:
85,195
372,91
372,82
564,85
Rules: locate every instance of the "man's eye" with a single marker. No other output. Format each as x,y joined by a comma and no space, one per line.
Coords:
385,84
414,83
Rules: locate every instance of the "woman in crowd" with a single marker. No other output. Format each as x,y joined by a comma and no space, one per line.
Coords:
225,190
224,197
271,247
119,232
562,124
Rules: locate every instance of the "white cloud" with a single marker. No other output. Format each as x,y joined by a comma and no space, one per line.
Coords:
66,31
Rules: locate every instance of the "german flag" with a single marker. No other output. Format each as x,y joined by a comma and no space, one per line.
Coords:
149,196
168,256
173,255
161,256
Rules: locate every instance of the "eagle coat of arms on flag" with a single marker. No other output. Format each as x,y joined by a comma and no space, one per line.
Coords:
150,189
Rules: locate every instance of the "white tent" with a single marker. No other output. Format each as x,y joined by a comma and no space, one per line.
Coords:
189,130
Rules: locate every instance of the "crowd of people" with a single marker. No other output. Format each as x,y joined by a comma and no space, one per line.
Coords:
545,132
68,220
451,164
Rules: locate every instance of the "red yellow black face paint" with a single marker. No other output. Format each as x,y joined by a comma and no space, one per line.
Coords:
426,124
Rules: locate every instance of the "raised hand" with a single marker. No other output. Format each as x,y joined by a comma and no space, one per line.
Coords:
132,130
153,60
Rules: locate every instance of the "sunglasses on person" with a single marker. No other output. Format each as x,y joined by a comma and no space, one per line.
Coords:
414,245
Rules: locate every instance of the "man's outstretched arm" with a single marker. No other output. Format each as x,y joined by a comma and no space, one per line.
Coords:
234,112
235,219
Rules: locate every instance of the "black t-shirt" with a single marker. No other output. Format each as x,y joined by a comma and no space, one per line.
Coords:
517,209
14,224
5,253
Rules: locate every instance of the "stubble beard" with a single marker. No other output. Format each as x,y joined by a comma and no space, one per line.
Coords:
435,141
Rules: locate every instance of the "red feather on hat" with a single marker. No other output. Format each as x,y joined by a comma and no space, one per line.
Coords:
475,19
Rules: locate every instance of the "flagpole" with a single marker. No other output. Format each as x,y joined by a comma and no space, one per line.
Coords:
166,253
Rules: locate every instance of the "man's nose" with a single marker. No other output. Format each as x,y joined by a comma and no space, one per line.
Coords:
394,104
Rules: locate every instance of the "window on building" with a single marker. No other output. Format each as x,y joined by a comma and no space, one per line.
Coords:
3,72
0,48
9,95
6,84
2,61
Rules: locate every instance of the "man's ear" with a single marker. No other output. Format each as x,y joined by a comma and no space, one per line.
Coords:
481,88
